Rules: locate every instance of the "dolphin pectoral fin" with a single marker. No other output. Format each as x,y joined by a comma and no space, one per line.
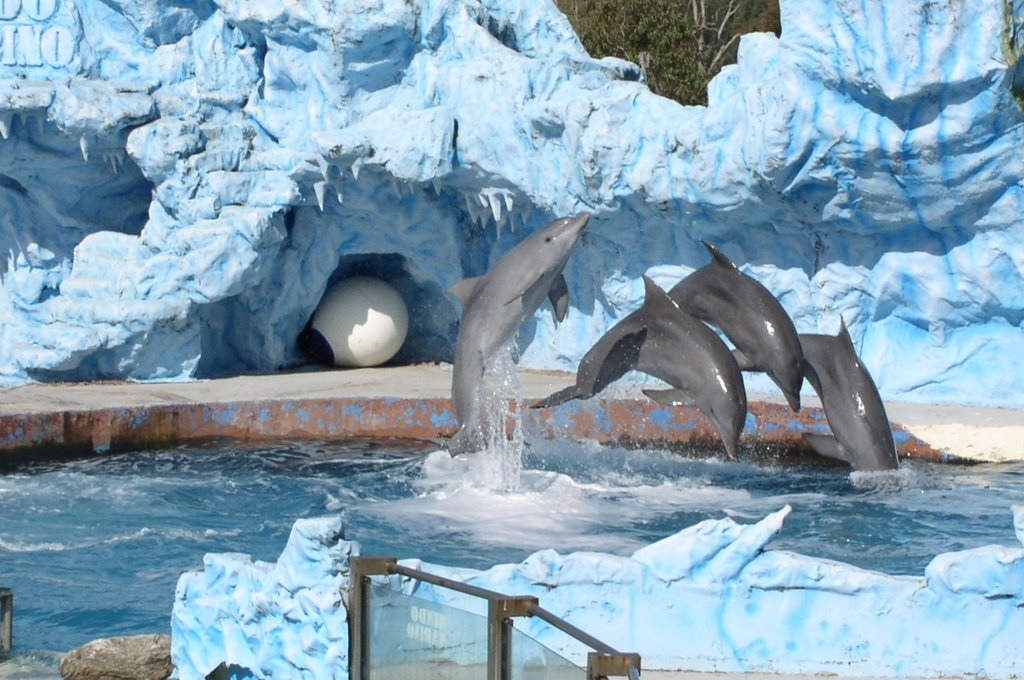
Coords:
670,397
610,359
464,289
826,445
559,296
745,362
559,397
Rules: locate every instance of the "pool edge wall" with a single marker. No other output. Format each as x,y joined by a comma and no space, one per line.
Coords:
772,428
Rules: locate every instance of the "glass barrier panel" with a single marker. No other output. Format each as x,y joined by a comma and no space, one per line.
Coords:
414,639
533,661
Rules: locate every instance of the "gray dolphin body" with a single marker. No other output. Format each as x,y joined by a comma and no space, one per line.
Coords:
664,341
862,435
496,304
750,316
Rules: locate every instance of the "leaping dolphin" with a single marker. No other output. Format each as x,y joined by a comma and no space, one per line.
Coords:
750,316
862,435
662,340
496,304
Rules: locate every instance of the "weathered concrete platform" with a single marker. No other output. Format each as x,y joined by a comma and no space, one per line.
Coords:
46,420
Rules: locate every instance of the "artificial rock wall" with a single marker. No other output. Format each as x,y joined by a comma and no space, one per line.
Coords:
180,182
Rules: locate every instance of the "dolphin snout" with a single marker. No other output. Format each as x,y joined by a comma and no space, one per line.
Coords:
579,222
576,227
793,398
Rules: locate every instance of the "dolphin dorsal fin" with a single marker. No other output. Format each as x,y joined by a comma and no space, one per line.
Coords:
464,289
845,341
654,296
844,336
718,257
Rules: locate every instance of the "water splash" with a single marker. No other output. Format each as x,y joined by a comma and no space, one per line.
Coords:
500,465
506,442
885,481
37,665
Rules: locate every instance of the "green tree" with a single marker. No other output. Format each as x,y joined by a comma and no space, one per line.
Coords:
679,44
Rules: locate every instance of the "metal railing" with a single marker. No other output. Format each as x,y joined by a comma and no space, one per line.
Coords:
6,620
602,663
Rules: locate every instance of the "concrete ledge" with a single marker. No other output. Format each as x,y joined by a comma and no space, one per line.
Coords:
413,402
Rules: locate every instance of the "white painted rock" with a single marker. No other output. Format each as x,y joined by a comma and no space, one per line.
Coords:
361,321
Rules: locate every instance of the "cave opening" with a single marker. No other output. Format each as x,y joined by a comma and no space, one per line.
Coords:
427,339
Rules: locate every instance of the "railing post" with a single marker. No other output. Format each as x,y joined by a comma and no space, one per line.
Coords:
360,571
6,620
601,666
500,611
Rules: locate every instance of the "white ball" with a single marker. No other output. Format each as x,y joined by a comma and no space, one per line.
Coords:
363,320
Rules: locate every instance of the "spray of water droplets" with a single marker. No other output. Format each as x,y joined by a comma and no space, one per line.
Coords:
500,465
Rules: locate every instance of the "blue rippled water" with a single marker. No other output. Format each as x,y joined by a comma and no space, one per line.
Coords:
94,547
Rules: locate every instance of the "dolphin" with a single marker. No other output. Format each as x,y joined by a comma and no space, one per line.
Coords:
495,305
750,316
862,436
662,340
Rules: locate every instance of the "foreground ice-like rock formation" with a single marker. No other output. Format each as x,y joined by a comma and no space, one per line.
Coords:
709,598
181,182
272,619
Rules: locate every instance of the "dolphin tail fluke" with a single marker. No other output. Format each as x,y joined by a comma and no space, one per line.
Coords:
826,445
559,397
670,397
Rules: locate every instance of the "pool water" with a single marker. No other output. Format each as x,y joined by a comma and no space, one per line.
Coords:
94,548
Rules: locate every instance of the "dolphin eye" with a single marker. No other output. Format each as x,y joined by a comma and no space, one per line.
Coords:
549,239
